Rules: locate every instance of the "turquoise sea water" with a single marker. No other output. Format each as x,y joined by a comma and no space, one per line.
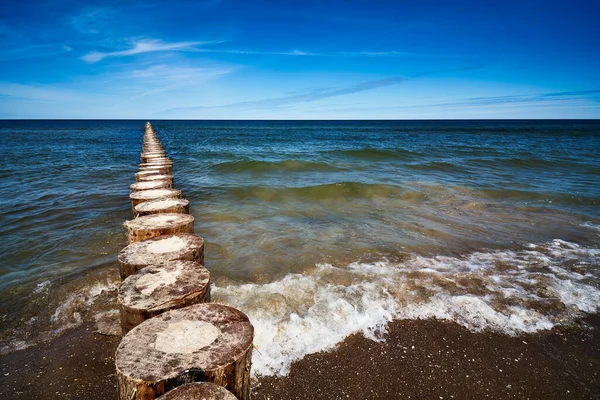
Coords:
318,228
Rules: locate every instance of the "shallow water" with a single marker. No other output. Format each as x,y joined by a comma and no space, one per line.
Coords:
315,229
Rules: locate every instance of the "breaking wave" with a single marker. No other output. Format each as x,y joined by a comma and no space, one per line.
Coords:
509,291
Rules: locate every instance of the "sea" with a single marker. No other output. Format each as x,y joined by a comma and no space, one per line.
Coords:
315,229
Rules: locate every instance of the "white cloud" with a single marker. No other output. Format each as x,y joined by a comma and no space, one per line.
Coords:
43,93
33,51
163,78
143,46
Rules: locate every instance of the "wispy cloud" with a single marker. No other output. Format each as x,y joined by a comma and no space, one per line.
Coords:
529,98
493,101
165,78
9,32
154,45
319,94
43,93
332,54
313,95
144,46
91,20
33,51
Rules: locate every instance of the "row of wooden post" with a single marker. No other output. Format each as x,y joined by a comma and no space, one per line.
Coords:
176,343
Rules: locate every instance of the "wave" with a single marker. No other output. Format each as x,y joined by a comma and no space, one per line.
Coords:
525,195
53,306
513,291
332,192
254,167
372,154
437,166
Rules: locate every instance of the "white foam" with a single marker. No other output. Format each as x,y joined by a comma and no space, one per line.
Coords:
300,315
42,286
511,292
592,226
69,313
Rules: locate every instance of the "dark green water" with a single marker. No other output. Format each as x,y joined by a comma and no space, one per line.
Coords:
315,229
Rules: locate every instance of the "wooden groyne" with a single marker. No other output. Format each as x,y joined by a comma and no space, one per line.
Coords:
173,336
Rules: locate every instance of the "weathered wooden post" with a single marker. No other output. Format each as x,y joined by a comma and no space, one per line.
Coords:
203,342
149,185
156,177
149,226
160,250
173,337
159,288
143,174
178,206
157,161
145,157
166,169
198,391
145,195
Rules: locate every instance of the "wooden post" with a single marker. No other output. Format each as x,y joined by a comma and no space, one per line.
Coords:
166,169
163,159
145,195
152,184
142,174
154,177
157,161
198,391
152,154
204,342
178,206
145,157
160,250
159,288
149,226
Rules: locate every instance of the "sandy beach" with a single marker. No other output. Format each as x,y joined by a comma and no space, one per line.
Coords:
422,359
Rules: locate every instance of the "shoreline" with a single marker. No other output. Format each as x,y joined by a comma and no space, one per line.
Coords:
432,359
419,359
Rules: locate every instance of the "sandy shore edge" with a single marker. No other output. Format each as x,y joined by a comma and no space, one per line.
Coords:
425,359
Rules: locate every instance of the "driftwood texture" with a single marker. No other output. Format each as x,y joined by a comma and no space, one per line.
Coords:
152,184
152,157
198,391
155,177
180,206
159,160
204,342
158,251
144,174
153,225
166,169
145,195
159,288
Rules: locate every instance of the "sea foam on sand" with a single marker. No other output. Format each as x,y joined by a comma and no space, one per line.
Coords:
507,291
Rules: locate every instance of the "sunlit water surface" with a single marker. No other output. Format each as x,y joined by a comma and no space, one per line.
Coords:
316,230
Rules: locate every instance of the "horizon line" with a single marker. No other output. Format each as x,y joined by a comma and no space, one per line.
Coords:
306,120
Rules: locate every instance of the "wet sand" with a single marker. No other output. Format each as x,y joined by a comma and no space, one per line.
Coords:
441,360
419,360
77,365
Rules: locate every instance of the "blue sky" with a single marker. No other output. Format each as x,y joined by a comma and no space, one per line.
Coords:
220,59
